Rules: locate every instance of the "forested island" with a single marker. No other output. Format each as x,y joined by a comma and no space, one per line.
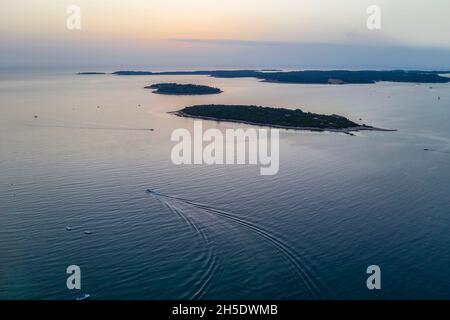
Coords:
273,117
182,89
314,76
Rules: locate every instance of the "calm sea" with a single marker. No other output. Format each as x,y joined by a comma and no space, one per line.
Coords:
338,204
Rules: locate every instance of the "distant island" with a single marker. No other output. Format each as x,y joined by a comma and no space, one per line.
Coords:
274,117
313,76
89,73
182,89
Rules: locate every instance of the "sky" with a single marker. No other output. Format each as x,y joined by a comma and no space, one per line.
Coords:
414,34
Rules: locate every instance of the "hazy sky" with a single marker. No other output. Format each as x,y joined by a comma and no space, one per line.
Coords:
226,33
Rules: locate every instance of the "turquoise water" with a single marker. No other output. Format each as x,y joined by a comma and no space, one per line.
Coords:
337,205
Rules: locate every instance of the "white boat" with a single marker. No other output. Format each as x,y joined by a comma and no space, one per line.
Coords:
84,296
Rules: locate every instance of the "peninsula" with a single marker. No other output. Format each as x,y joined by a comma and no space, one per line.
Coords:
182,89
313,76
274,117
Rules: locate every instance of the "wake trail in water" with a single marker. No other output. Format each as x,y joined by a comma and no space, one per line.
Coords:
91,128
211,261
437,151
66,124
303,272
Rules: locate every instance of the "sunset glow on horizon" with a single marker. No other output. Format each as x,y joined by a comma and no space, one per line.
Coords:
152,25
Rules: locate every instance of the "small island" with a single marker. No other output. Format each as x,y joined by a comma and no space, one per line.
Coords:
274,117
182,89
89,73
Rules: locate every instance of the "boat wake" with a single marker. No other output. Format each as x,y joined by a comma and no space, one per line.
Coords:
210,261
65,124
303,272
437,151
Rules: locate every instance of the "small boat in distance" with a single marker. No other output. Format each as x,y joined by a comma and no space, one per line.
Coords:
69,228
87,232
84,296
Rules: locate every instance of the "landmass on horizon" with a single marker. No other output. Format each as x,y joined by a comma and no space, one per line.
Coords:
309,76
90,73
182,89
274,117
